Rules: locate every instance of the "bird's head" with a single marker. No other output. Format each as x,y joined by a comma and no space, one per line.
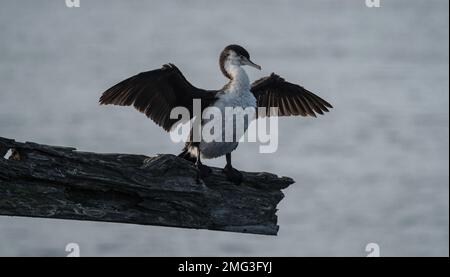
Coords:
235,56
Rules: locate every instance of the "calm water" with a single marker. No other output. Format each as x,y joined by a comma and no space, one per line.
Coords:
373,170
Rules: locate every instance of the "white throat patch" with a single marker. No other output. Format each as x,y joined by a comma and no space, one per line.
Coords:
240,81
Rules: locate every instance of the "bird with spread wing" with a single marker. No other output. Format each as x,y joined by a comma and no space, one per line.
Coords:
155,93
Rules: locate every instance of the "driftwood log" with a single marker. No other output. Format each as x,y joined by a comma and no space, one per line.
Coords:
59,182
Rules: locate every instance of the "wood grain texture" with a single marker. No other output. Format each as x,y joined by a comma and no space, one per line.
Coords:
60,182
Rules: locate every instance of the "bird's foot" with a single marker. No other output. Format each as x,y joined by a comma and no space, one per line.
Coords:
204,171
233,174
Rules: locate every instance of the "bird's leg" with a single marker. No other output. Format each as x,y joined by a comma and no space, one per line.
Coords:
232,174
204,170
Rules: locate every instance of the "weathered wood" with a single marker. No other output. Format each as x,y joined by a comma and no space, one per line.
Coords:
60,182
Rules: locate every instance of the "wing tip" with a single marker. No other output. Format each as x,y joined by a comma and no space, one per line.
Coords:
103,100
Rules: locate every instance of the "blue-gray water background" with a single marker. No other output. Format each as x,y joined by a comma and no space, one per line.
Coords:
373,170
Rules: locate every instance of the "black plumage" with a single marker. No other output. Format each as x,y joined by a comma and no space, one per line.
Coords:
155,93
290,99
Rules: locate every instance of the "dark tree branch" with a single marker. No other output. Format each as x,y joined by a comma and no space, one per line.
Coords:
59,182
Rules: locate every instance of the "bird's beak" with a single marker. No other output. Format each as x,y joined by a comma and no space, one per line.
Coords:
250,63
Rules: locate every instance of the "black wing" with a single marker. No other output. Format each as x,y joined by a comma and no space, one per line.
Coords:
155,93
290,99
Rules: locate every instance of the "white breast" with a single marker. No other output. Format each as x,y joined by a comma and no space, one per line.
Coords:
236,95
